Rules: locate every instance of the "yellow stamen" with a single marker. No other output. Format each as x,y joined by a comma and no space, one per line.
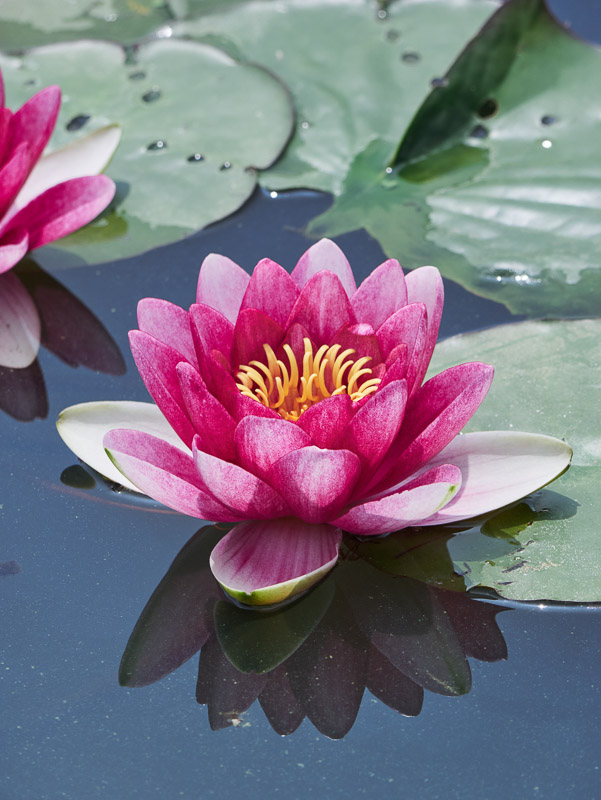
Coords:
291,393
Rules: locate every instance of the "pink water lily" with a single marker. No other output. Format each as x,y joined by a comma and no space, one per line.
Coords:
46,197
298,399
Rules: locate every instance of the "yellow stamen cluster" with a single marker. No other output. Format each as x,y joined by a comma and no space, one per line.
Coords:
325,373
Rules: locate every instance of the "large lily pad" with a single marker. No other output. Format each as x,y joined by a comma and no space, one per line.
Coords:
506,195
547,379
190,148
368,84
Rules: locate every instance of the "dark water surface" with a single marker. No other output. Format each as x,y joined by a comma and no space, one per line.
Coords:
80,565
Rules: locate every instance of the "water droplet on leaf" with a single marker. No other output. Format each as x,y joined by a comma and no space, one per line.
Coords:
547,143
196,157
548,119
305,125
393,35
137,76
225,165
478,132
151,96
439,82
382,13
488,108
410,57
77,122
158,145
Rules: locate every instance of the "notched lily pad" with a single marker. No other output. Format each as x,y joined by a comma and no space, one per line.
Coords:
190,149
547,378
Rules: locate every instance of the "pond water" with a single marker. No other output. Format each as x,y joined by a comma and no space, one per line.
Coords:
81,560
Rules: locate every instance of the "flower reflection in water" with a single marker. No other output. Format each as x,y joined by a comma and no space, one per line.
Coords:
35,310
359,629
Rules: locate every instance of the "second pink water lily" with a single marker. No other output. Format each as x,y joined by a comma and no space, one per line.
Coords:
298,401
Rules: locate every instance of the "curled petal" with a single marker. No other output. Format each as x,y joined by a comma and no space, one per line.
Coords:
264,562
20,327
499,467
324,255
221,285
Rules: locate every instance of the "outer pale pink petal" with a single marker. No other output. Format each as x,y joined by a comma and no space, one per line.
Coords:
410,506
322,308
375,426
433,417
156,363
499,467
214,426
35,120
20,327
86,156
221,285
247,495
260,563
407,326
63,209
424,285
381,294
261,442
253,330
13,246
316,483
324,255
325,421
169,324
164,473
271,290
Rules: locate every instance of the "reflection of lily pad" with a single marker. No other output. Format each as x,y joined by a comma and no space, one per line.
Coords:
524,225
547,379
369,83
190,149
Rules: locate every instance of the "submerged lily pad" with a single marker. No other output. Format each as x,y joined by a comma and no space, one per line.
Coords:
506,198
190,149
368,84
547,379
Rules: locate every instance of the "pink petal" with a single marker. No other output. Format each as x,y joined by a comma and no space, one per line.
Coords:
169,324
215,427
35,120
261,442
13,246
269,561
20,327
271,290
409,506
498,468
247,495
156,363
13,174
407,326
363,340
221,285
211,331
381,294
325,420
374,427
324,255
424,285
397,369
253,330
164,473
316,483
433,417
63,209
322,308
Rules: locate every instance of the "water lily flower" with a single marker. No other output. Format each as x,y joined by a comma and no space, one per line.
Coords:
298,399
46,197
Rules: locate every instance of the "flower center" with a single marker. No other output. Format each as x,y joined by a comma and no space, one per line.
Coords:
324,373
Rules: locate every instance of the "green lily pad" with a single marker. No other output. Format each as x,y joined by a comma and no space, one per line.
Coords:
547,379
190,149
506,198
370,83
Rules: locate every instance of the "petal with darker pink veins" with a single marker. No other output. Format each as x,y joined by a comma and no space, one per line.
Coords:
214,426
164,473
407,326
409,506
35,120
156,363
322,308
13,174
316,483
210,331
271,290
261,442
381,294
221,285
324,255
363,340
253,330
434,416
169,324
424,285
63,209
247,495
264,562
325,421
